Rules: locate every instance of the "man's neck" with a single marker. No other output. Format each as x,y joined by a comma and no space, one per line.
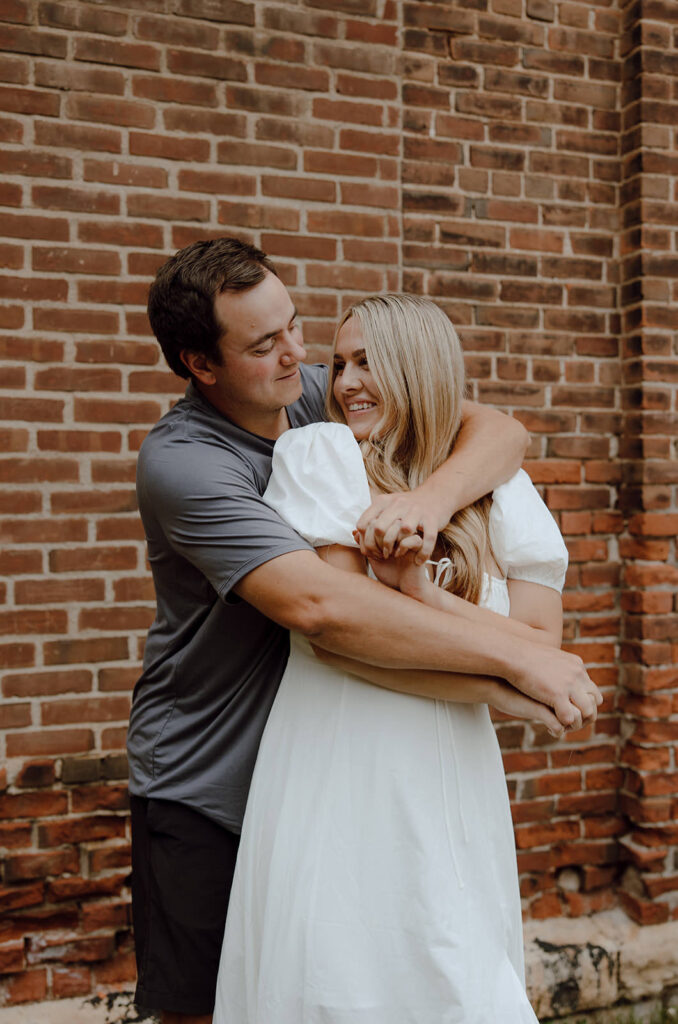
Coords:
264,424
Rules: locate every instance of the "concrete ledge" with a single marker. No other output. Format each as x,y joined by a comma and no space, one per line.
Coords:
591,963
112,1008
574,966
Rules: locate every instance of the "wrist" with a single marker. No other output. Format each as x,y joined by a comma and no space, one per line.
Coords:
441,497
419,587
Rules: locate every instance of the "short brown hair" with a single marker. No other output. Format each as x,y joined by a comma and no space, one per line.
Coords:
181,299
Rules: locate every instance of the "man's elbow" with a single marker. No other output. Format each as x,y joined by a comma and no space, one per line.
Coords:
308,614
522,437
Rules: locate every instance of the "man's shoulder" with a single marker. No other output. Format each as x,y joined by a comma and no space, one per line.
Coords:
311,406
189,446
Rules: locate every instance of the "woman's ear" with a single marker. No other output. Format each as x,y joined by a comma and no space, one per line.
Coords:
198,365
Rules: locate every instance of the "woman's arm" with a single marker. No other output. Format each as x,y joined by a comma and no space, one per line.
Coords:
489,449
449,686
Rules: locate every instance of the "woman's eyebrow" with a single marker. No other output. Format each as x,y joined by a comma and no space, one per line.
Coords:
359,352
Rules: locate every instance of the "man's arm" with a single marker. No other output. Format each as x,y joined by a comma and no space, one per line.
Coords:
489,449
349,614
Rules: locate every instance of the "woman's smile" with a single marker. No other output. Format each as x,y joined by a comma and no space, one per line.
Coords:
354,386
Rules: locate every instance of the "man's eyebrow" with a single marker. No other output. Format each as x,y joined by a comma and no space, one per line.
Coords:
272,334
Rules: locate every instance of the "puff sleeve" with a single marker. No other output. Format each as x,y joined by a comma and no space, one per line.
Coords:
525,539
318,483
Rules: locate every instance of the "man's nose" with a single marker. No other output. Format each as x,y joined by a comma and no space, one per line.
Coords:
294,350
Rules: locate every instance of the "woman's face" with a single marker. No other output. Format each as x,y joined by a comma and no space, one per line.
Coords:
354,386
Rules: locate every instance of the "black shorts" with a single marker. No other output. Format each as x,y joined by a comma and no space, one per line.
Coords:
182,870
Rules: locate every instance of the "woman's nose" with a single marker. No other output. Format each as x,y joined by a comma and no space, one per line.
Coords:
350,379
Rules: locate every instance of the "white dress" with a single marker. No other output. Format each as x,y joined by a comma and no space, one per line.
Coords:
376,880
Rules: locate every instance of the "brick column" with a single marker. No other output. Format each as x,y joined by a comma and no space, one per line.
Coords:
649,266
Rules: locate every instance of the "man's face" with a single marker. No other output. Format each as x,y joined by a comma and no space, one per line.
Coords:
261,349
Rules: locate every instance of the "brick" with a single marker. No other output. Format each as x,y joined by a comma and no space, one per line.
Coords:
29,101
310,189
59,591
17,655
27,866
256,155
189,62
78,261
126,55
20,226
109,110
233,11
21,622
75,136
206,121
93,410
290,77
215,181
79,79
90,709
79,321
64,652
116,619
36,43
54,741
71,982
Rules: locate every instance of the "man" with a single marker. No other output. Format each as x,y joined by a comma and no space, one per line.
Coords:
231,578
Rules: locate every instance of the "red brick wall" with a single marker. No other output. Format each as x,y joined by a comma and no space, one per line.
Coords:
514,159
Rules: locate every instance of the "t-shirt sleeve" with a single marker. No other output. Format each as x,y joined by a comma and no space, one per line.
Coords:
318,483
212,514
526,542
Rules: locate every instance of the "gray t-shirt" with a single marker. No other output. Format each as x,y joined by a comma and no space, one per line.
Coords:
212,663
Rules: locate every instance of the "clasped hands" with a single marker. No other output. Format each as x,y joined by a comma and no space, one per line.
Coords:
397,534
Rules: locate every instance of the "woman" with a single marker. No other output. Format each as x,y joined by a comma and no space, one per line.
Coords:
376,879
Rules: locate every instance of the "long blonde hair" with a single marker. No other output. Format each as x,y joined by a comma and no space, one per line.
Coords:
416,360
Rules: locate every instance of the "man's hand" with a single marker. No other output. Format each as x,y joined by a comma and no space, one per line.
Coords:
396,524
559,680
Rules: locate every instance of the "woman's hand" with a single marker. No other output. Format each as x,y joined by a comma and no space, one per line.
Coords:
401,573
507,699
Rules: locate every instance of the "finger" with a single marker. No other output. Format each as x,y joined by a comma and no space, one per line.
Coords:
429,538
577,719
369,544
565,712
554,727
358,538
408,544
590,713
373,511
390,537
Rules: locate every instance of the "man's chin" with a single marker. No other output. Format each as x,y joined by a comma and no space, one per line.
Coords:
293,389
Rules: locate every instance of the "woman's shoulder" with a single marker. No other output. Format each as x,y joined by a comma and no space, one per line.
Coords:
525,538
318,482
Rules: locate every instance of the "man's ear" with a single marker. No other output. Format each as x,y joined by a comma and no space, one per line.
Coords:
198,365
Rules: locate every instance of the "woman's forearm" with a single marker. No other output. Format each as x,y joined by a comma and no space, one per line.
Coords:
455,686
443,600
448,686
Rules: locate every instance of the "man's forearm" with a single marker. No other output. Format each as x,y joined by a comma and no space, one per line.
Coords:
352,615
489,449
362,619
